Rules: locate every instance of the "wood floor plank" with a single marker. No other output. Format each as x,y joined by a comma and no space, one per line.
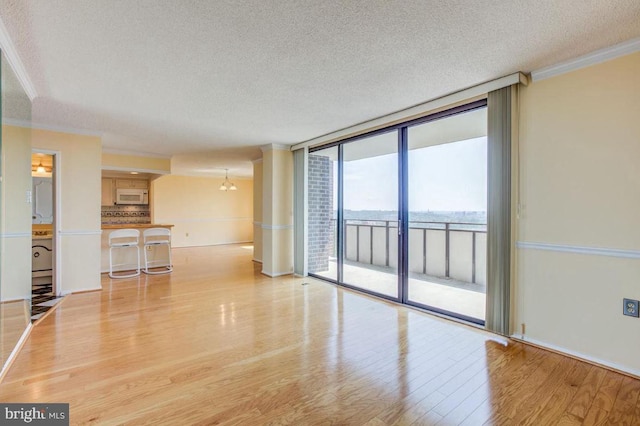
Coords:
569,419
480,415
216,342
509,400
583,398
623,410
560,398
604,399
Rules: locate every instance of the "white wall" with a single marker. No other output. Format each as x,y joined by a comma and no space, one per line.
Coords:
203,215
580,186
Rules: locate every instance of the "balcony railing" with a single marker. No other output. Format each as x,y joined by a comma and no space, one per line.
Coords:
441,249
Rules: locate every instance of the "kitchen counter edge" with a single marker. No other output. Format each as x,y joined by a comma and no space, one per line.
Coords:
135,226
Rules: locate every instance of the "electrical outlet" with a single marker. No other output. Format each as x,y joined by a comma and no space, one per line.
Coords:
630,307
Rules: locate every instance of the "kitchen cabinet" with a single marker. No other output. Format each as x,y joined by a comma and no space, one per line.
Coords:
108,192
132,183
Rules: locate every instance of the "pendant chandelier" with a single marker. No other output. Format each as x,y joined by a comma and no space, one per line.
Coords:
227,185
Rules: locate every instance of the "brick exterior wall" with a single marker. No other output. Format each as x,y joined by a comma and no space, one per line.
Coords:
321,229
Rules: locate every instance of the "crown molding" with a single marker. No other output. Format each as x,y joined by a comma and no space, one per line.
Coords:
135,153
587,60
64,129
134,169
275,147
10,52
50,127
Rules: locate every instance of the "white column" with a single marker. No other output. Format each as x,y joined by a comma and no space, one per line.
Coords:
257,210
277,210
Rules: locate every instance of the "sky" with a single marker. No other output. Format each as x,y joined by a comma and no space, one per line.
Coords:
451,176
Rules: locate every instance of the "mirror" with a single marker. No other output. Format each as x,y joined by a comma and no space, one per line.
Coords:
15,211
42,188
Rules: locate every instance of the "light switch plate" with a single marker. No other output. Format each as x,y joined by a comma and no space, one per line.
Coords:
630,307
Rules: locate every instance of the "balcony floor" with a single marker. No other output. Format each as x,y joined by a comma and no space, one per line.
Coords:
446,294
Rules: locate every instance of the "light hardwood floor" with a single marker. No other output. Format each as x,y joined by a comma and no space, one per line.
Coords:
216,342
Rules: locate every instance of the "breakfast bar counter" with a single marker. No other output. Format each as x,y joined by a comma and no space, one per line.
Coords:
134,226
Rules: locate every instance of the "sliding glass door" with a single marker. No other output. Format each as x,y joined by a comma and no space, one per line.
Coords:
447,209
401,212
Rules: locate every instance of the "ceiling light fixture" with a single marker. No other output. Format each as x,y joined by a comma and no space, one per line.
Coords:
227,185
40,168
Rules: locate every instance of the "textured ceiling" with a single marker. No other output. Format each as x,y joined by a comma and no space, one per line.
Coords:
192,77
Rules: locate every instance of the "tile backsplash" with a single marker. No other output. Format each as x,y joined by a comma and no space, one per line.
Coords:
125,214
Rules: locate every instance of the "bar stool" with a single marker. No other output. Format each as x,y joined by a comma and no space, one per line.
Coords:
124,239
157,237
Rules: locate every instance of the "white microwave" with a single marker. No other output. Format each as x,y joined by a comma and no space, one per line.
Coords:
132,196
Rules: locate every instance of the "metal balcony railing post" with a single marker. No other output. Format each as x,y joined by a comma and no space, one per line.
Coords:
357,243
386,231
344,243
446,248
473,257
424,251
371,244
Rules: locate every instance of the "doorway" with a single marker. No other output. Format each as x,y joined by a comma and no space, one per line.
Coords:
44,285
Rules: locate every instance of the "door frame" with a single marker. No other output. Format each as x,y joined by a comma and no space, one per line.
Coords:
57,217
403,205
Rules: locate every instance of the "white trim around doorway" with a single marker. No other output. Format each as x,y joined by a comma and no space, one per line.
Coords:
57,219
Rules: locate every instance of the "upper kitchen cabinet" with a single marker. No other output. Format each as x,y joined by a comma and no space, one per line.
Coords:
108,190
132,183
110,184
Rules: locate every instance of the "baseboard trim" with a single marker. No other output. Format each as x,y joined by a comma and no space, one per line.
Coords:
579,356
82,290
14,353
276,274
86,291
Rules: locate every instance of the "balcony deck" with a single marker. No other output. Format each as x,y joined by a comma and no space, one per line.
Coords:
447,294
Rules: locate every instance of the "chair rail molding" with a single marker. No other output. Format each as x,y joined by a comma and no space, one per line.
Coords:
597,251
